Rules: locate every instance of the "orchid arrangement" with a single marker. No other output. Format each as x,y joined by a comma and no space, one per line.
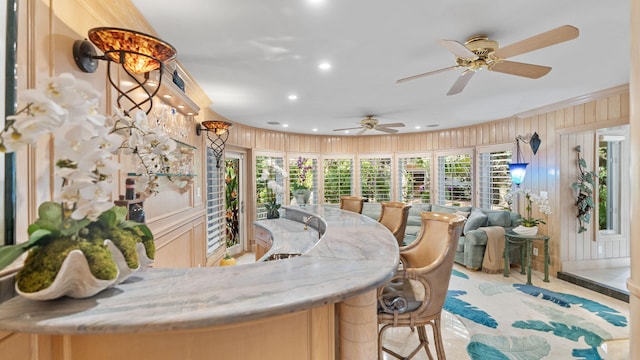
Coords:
302,170
85,142
530,198
270,191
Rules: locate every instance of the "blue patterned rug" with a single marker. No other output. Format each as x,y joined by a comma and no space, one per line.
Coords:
513,321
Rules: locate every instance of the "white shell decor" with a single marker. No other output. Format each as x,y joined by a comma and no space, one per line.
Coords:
124,270
525,231
74,280
142,255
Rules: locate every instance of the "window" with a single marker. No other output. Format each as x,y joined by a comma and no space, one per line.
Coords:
454,180
414,174
611,184
493,178
375,179
215,204
338,178
302,175
269,183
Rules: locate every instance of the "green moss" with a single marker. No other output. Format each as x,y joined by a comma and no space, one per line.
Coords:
123,239
149,244
43,263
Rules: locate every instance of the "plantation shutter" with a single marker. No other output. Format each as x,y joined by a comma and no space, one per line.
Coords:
494,179
455,180
415,179
338,177
215,204
375,179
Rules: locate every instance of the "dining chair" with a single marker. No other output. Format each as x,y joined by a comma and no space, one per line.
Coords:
352,203
394,216
414,297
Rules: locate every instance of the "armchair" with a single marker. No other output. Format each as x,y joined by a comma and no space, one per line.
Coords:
415,295
394,216
352,203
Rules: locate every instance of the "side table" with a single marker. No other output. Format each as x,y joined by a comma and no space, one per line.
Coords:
513,238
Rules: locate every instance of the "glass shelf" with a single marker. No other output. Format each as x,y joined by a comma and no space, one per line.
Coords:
165,174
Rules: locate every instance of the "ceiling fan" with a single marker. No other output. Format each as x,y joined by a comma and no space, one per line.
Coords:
479,52
371,123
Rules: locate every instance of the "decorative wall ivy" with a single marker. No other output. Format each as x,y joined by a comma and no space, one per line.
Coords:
584,186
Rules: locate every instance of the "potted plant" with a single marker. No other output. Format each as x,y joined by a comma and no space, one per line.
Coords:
528,223
82,220
268,188
301,187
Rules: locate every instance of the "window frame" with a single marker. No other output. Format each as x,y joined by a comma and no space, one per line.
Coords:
479,151
470,152
321,177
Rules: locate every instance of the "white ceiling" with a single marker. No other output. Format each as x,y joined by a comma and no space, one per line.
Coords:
249,55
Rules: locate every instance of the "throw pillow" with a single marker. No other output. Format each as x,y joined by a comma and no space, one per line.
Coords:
498,217
476,219
449,209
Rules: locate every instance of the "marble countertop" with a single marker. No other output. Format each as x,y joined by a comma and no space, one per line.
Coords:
355,254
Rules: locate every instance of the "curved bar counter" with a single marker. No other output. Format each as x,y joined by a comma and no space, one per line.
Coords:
344,268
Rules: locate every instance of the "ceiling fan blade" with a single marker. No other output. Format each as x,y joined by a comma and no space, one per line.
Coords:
387,130
353,128
461,82
361,131
551,37
427,74
520,69
392,125
457,49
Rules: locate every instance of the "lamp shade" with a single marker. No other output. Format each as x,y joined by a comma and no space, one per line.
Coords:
139,53
517,171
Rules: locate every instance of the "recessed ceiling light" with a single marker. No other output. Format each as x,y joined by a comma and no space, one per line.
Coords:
285,125
418,127
293,97
324,66
314,129
180,106
166,96
152,83
346,131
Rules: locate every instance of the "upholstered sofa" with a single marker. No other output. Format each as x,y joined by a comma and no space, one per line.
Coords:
472,242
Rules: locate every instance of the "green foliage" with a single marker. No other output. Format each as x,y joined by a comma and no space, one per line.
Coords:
53,235
584,187
44,262
231,202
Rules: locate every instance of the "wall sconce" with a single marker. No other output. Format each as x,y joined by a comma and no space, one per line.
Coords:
519,168
137,53
221,131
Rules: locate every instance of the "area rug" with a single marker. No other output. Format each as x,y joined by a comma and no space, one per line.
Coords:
511,320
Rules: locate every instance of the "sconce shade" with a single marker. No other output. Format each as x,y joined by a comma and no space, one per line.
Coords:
535,142
220,130
218,127
517,171
137,52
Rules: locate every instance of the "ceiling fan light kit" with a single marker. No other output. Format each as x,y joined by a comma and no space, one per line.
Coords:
479,52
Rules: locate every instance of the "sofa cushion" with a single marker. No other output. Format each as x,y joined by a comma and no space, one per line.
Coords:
414,218
476,219
498,217
449,209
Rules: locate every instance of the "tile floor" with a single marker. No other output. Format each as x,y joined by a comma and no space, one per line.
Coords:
613,277
456,337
